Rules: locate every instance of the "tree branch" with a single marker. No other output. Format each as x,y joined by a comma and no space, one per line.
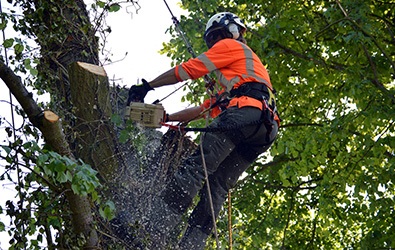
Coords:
333,65
291,207
375,81
19,91
51,128
301,125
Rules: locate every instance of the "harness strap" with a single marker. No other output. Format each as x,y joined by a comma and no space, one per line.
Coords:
213,130
183,129
256,90
222,101
261,92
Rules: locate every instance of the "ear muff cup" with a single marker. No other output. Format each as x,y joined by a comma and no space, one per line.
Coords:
234,30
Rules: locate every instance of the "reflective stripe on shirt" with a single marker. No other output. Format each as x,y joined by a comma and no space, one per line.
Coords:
233,62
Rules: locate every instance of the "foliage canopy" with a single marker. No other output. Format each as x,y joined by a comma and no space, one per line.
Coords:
328,181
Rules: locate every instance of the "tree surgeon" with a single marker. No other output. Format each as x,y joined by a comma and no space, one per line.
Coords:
242,129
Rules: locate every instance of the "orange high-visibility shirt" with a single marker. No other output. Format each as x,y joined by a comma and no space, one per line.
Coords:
234,63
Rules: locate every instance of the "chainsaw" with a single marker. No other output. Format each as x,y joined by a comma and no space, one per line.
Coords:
148,115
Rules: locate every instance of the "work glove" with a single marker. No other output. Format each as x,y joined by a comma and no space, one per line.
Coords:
138,92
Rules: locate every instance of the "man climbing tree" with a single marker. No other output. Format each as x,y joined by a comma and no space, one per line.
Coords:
245,128
329,184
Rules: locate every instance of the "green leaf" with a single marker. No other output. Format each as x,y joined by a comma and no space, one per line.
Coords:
42,158
27,63
116,119
54,221
34,72
3,24
48,171
58,166
108,210
78,190
124,136
101,4
114,7
63,177
8,43
18,48
6,149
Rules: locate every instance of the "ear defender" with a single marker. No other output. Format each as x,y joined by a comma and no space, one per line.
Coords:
234,30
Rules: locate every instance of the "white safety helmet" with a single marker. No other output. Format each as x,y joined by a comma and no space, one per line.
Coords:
226,21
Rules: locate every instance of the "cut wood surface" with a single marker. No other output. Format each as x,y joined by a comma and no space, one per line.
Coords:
51,116
95,69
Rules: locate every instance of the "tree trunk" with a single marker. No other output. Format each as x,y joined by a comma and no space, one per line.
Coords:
97,142
132,172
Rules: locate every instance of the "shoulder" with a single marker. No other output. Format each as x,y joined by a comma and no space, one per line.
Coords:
228,44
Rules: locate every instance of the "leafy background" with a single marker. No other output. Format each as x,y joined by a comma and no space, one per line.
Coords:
327,182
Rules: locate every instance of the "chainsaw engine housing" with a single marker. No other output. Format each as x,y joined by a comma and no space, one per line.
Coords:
148,115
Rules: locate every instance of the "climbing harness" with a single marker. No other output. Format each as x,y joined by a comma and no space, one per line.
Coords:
264,94
254,90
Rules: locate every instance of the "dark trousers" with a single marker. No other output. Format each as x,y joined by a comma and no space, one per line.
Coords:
227,153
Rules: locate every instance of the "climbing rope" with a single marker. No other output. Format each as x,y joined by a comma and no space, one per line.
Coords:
208,185
209,192
230,220
209,81
182,128
209,87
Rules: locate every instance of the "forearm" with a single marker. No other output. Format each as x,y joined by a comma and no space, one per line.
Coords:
167,78
186,115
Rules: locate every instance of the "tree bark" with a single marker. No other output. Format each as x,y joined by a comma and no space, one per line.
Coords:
96,139
51,128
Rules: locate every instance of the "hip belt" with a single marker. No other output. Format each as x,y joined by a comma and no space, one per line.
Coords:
257,91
